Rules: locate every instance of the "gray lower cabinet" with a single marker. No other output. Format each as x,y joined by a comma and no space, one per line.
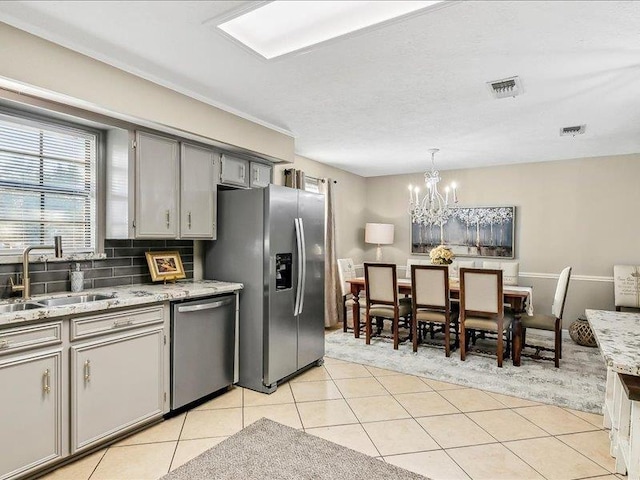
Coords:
116,383
69,385
31,413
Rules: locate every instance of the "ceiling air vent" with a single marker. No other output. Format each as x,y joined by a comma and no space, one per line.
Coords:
573,131
507,87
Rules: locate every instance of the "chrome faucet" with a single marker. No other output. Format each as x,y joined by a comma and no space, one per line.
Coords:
25,286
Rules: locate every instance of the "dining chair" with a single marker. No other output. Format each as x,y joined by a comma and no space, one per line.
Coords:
414,261
346,271
381,294
482,309
626,287
551,322
431,305
510,270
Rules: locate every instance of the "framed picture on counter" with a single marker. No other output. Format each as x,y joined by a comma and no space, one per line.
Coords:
165,266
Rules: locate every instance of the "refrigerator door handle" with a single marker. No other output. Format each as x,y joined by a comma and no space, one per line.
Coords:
300,266
304,266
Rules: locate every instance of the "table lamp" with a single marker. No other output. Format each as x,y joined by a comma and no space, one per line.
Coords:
379,234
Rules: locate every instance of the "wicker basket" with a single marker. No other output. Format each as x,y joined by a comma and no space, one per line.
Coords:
581,333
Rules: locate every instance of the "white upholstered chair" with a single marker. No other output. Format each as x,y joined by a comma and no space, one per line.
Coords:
346,271
431,305
626,286
381,293
456,265
510,271
552,323
415,261
482,308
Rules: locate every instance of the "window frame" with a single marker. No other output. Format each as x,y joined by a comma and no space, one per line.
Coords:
60,121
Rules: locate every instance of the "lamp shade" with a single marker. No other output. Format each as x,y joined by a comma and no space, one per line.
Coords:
379,233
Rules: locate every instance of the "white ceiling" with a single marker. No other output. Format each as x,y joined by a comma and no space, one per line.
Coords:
373,103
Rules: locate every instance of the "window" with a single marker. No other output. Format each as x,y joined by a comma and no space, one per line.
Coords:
312,184
47,185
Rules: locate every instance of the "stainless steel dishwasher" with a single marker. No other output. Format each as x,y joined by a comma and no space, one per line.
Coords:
203,347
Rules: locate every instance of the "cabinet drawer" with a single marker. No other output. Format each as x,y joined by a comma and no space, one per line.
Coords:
23,338
85,327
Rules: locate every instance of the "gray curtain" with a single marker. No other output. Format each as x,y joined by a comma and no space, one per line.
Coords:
332,294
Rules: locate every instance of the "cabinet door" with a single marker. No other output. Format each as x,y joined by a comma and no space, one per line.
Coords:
234,171
157,174
116,383
197,192
30,412
260,175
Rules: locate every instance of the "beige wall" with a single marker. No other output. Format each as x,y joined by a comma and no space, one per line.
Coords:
33,61
579,212
350,195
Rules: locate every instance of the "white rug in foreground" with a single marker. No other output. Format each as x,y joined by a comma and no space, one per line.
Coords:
579,383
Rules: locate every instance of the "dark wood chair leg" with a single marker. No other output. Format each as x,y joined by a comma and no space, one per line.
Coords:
524,336
560,335
367,327
396,334
558,339
447,340
463,343
414,332
344,316
500,348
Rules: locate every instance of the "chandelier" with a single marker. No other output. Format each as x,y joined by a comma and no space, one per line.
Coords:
434,208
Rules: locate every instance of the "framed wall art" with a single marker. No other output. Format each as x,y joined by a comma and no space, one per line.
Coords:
469,232
165,266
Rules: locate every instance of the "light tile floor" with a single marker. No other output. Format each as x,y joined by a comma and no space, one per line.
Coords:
439,430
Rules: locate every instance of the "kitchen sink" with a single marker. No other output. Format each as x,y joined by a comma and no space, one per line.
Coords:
18,307
54,302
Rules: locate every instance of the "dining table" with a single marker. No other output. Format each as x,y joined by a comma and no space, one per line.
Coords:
515,296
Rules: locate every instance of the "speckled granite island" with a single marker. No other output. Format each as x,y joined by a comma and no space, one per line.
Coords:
618,337
78,376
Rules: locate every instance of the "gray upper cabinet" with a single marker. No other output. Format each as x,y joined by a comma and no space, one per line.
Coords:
260,175
157,186
234,171
198,187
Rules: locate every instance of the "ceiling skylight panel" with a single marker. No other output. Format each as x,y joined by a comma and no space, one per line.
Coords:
282,27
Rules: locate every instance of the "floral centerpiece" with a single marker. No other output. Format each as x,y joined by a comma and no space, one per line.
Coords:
441,255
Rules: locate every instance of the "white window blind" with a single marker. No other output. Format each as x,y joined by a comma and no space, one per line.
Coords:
312,184
47,185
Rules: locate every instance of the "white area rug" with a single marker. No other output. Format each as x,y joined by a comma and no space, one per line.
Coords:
579,383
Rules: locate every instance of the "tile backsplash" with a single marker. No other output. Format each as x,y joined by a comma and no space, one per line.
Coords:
125,264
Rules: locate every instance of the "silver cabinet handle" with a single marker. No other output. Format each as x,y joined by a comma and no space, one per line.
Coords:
87,371
46,387
4,344
122,323
242,172
168,214
189,220
256,175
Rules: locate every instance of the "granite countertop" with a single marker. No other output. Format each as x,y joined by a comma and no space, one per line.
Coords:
123,296
618,336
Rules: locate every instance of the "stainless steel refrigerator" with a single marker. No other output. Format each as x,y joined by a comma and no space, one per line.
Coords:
272,240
